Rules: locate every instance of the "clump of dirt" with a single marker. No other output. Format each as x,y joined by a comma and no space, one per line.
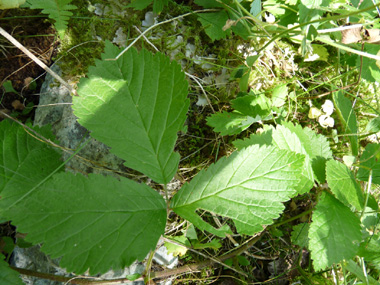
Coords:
17,70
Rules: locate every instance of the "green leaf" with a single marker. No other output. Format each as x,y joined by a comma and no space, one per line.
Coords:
25,161
348,119
279,95
136,105
370,250
230,123
256,8
343,184
312,4
283,138
7,275
370,71
10,4
58,10
8,87
373,126
357,270
214,244
300,235
209,3
319,53
176,249
249,187
158,5
93,223
252,105
213,24
316,146
191,232
242,260
370,160
265,138
334,233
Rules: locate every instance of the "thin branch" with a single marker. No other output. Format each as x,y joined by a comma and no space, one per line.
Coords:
36,60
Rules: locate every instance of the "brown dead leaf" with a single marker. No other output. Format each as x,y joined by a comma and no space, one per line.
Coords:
351,36
372,36
358,34
17,105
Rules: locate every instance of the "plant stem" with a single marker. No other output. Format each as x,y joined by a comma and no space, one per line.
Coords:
293,218
36,60
367,193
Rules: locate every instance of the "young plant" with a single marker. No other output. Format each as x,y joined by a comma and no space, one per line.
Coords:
136,105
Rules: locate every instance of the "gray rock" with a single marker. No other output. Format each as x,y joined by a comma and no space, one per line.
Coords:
55,109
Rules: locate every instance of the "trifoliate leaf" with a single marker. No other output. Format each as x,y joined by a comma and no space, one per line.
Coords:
347,117
300,235
334,233
94,223
25,161
370,160
7,275
136,105
230,123
343,184
249,187
279,95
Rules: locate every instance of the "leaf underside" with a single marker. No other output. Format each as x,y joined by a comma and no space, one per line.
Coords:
247,187
333,232
316,147
136,105
343,184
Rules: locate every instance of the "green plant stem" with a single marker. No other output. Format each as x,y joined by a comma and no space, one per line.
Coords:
368,191
346,48
293,218
154,275
148,266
